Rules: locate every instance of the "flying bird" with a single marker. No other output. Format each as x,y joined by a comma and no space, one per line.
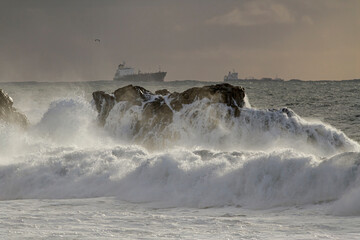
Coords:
97,40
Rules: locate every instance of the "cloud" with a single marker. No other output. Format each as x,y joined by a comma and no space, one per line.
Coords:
307,20
255,13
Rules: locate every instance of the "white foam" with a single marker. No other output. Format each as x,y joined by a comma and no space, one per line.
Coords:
349,204
247,102
183,178
205,158
70,122
213,126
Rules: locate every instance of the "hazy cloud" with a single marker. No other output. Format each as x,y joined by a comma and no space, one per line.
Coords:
255,13
307,20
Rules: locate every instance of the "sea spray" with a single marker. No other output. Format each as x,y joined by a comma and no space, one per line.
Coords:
215,126
206,157
182,178
70,122
66,123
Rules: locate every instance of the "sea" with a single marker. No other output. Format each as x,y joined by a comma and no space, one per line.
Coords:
286,168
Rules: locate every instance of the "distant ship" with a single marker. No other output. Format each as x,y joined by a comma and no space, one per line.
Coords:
124,73
232,76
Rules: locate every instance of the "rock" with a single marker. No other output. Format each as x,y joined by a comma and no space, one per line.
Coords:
155,106
8,113
149,115
104,103
232,96
162,92
132,94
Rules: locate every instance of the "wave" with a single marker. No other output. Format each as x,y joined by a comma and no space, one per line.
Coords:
199,178
206,157
215,126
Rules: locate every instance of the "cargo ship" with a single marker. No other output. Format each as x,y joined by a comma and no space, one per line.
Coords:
232,77
124,73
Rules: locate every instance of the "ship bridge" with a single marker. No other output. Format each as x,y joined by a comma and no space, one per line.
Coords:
123,70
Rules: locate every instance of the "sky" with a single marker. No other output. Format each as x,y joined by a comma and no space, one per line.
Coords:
48,40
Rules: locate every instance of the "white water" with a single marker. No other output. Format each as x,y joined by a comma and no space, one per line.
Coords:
264,159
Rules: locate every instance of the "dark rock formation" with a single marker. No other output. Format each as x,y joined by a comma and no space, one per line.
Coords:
162,92
159,107
8,113
104,103
147,118
225,93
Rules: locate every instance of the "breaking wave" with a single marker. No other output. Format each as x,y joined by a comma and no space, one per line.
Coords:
205,158
214,126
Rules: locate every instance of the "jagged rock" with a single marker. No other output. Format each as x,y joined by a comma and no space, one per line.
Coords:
162,92
158,109
148,117
232,96
8,113
104,103
132,94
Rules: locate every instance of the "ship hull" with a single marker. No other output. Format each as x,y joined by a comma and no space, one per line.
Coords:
143,77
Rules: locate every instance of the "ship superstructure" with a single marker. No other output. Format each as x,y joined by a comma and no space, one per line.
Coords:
232,76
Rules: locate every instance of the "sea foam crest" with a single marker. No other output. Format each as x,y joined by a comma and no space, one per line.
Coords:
199,178
259,159
215,126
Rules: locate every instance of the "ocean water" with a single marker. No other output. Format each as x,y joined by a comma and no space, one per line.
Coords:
268,174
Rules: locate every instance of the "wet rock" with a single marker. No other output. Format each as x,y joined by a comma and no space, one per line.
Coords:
132,94
232,96
8,113
162,92
104,103
160,107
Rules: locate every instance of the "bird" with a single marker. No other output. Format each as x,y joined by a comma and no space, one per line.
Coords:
97,40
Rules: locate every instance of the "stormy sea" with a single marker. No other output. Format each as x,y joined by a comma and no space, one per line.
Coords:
283,166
